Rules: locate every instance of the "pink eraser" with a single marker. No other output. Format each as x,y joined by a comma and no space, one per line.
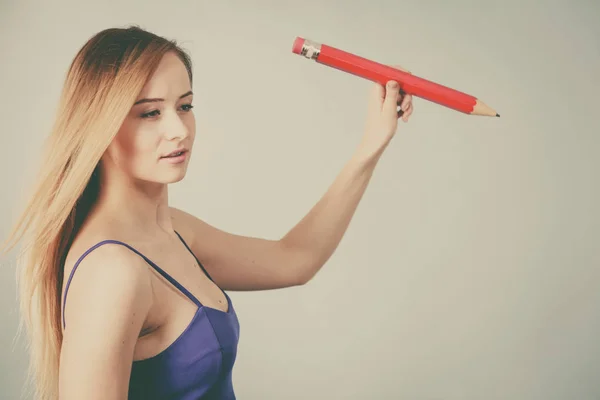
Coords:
298,43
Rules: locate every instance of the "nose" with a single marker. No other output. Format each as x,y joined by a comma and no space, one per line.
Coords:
175,127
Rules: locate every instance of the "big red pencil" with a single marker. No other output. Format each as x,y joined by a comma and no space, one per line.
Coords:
381,73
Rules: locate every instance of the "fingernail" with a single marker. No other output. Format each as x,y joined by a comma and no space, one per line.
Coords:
392,84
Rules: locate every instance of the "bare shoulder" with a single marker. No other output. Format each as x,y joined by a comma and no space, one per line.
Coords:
204,239
193,227
106,274
107,302
184,222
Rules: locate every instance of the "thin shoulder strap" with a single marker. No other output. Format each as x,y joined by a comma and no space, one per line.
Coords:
198,261
152,264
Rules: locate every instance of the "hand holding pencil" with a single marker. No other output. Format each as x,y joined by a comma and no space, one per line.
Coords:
409,84
386,104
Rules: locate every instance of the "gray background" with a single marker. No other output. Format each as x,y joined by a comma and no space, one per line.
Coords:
470,270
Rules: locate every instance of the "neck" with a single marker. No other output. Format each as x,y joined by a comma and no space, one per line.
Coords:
136,204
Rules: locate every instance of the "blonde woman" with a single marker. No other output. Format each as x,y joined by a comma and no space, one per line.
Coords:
122,295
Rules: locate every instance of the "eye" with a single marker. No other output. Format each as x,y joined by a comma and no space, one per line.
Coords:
153,113
150,114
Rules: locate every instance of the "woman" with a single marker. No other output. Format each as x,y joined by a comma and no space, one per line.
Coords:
114,296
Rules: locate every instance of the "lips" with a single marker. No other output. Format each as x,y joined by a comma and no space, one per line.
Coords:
175,153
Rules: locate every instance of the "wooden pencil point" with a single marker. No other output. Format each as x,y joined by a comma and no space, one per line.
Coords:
483,109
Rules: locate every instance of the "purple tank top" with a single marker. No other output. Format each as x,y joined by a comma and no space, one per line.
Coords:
198,364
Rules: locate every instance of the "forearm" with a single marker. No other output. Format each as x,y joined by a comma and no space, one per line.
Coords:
317,235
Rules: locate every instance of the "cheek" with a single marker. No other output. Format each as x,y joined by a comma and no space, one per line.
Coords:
133,145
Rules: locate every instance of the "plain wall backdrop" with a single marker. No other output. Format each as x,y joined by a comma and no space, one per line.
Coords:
471,268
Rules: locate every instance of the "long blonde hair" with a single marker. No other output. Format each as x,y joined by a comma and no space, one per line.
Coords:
102,83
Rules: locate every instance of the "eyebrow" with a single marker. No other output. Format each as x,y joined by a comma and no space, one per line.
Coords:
158,99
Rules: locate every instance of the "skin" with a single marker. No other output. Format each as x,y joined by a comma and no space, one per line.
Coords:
120,310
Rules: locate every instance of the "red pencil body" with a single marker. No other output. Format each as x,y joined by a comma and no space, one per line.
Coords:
381,73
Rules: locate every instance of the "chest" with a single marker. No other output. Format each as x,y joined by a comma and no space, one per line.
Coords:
177,275
179,285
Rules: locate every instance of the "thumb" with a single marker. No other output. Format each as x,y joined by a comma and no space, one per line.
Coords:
392,94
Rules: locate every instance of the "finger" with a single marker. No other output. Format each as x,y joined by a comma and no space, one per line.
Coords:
392,94
401,112
401,97
401,68
378,91
376,97
406,101
406,115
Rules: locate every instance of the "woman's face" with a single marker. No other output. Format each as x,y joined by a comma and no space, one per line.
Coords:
160,122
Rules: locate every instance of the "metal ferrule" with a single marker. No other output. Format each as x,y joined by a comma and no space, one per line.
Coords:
310,49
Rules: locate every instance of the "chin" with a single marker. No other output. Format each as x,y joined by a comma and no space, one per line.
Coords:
175,177
163,177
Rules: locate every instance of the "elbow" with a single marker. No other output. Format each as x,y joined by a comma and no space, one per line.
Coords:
297,275
301,279
305,275
302,264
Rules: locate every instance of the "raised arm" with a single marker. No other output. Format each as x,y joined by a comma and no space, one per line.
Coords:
246,263
106,306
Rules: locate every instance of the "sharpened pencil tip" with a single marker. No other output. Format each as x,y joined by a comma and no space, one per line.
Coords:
497,115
